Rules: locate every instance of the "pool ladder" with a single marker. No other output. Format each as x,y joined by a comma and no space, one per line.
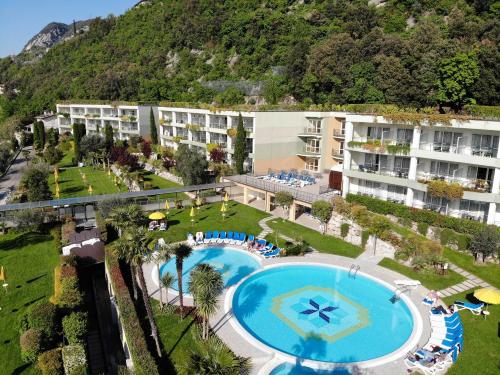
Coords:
353,270
397,294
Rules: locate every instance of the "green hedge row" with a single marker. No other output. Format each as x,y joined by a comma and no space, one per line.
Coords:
418,215
144,363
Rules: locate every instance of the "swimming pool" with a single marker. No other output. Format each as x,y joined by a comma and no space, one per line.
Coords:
320,313
233,264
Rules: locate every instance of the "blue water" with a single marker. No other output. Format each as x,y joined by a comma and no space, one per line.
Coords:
290,369
231,263
319,313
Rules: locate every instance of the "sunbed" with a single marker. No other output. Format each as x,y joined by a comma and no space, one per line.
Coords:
222,237
208,237
215,237
273,254
229,237
474,308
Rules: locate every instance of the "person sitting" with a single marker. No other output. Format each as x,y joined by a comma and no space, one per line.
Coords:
251,245
163,225
153,225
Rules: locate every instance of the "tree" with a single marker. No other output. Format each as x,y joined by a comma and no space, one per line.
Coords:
122,157
52,137
108,137
217,155
39,135
52,155
132,247
284,199
379,226
273,90
230,96
181,252
92,146
205,284
167,280
323,211
485,243
191,165
161,255
5,154
239,146
152,127
146,149
78,134
29,220
456,79
35,181
121,217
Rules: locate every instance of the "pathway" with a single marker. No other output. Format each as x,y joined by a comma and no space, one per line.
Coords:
266,229
471,282
9,182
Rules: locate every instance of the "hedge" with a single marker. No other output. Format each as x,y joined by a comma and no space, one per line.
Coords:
144,363
74,360
50,362
418,215
31,343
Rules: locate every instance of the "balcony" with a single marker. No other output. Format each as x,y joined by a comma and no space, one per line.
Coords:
200,139
390,146
78,113
217,125
311,132
375,168
337,153
308,150
112,114
487,152
339,133
474,185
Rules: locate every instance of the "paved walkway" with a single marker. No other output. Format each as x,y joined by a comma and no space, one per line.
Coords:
471,282
9,182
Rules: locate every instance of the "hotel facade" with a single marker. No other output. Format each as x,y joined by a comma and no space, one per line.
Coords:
361,154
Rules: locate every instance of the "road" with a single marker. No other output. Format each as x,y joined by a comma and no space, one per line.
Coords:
10,181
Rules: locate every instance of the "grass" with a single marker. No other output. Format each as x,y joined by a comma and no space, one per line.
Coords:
67,160
29,260
322,243
158,182
480,353
71,182
489,272
177,337
239,217
429,279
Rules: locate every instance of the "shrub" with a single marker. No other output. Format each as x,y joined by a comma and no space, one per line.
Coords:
405,221
297,248
70,297
74,360
31,343
422,228
360,215
50,362
364,238
143,361
344,230
42,317
52,155
67,230
75,327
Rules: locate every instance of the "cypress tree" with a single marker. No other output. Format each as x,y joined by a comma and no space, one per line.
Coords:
239,146
39,135
78,133
108,137
152,127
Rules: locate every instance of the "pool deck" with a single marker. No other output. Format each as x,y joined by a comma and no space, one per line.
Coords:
265,359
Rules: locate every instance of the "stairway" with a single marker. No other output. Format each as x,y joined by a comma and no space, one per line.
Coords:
97,362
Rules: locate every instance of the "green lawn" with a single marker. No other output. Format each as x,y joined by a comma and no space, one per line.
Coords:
176,336
322,243
29,261
481,354
428,279
158,182
67,160
489,272
239,217
71,182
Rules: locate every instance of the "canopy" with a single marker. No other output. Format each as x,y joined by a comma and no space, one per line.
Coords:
488,295
167,205
192,212
226,197
223,208
156,216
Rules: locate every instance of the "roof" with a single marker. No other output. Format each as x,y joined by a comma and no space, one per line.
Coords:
84,235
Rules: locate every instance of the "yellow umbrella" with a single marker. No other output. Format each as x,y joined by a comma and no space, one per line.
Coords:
90,190
109,172
156,216
198,202
226,197
487,295
223,209
191,214
57,194
167,205
57,187
3,276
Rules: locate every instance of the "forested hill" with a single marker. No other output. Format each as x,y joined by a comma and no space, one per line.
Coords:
331,51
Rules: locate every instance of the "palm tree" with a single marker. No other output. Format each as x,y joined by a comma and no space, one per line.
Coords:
205,284
122,217
180,251
161,255
167,281
213,357
133,248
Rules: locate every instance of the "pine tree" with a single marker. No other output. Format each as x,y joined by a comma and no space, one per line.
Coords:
108,136
239,146
152,127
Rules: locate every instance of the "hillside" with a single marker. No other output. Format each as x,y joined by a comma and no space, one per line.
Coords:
308,51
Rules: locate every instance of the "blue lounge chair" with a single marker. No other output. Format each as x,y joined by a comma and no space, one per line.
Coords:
251,237
269,246
241,239
428,301
229,237
273,254
208,237
236,237
474,308
222,237
215,237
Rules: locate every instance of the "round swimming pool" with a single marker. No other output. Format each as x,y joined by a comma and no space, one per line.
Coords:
233,264
320,313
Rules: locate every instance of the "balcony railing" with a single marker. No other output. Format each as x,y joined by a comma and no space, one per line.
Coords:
199,139
469,184
216,125
337,154
312,131
338,133
374,168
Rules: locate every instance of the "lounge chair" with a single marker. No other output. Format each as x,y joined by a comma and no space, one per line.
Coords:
215,237
269,247
199,238
222,237
428,367
229,237
190,240
241,239
251,237
236,238
428,301
273,254
208,237
474,308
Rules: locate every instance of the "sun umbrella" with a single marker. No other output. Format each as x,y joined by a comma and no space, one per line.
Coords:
223,209
3,276
487,295
109,172
167,205
198,202
191,214
156,216
57,195
90,190
226,197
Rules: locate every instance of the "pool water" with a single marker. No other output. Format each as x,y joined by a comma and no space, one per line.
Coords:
291,369
233,264
320,313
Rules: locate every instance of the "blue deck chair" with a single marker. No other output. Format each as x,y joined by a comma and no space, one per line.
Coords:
242,238
208,237
273,254
215,236
229,237
235,239
251,238
222,237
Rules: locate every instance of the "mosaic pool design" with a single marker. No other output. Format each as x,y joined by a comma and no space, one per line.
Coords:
320,313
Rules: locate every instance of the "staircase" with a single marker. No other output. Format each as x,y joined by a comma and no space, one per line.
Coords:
96,357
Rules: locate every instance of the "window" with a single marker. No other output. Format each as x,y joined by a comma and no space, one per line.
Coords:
484,145
378,133
404,136
181,117
375,162
312,164
444,169
436,203
473,209
396,193
447,141
402,165
198,119
313,145
370,188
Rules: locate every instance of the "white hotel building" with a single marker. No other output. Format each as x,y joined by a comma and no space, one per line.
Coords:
466,152
373,156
